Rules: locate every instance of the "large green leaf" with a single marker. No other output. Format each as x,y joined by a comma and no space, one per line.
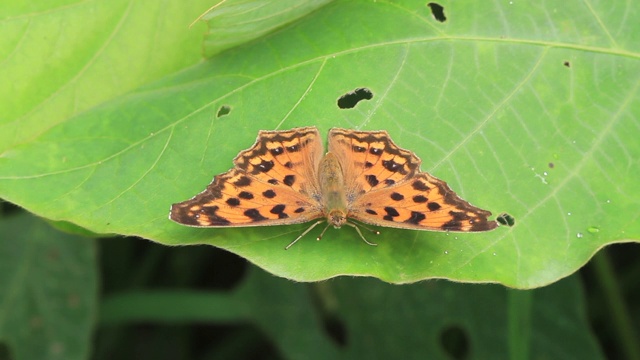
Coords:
48,289
528,109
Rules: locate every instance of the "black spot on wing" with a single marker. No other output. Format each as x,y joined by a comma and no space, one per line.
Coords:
254,215
214,218
245,195
371,212
419,199
233,201
419,185
276,151
375,151
358,149
391,213
264,166
242,181
433,206
269,194
372,180
298,210
279,210
289,180
452,225
415,218
396,196
391,165
273,181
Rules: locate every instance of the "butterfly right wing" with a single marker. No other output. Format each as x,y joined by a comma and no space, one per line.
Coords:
273,183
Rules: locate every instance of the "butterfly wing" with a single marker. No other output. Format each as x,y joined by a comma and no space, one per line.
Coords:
421,203
385,187
272,183
370,160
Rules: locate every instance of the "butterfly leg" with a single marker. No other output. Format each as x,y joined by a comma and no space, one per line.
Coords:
304,233
360,233
370,229
322,233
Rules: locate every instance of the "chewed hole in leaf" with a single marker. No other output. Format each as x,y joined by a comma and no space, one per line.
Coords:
455,342
437,11
351,99
506,219
223,110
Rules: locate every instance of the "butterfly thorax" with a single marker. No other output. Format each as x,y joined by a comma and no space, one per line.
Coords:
331,179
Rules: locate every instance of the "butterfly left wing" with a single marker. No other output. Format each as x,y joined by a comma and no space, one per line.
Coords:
272,183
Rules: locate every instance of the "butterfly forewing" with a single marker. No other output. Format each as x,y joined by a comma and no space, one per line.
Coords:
273,183
370,160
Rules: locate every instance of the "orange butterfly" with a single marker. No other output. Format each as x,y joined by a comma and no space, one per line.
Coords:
285,178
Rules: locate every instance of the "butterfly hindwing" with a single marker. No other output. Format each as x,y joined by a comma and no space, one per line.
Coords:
421,203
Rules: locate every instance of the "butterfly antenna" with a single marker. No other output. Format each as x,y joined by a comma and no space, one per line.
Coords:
360,233
304,233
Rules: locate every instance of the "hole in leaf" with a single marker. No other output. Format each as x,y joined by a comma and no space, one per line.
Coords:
567,64
506,219
437,11
223,110
350,99
455,342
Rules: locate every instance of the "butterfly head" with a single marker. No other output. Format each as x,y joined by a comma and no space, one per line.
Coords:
337,218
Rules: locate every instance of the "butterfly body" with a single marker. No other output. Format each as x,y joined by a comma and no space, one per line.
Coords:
285,178
332,186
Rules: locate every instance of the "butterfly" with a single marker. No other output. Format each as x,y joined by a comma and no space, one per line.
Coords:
286,178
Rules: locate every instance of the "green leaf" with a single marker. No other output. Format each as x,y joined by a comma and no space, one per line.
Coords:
48,289
234,22
60,59
520,108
